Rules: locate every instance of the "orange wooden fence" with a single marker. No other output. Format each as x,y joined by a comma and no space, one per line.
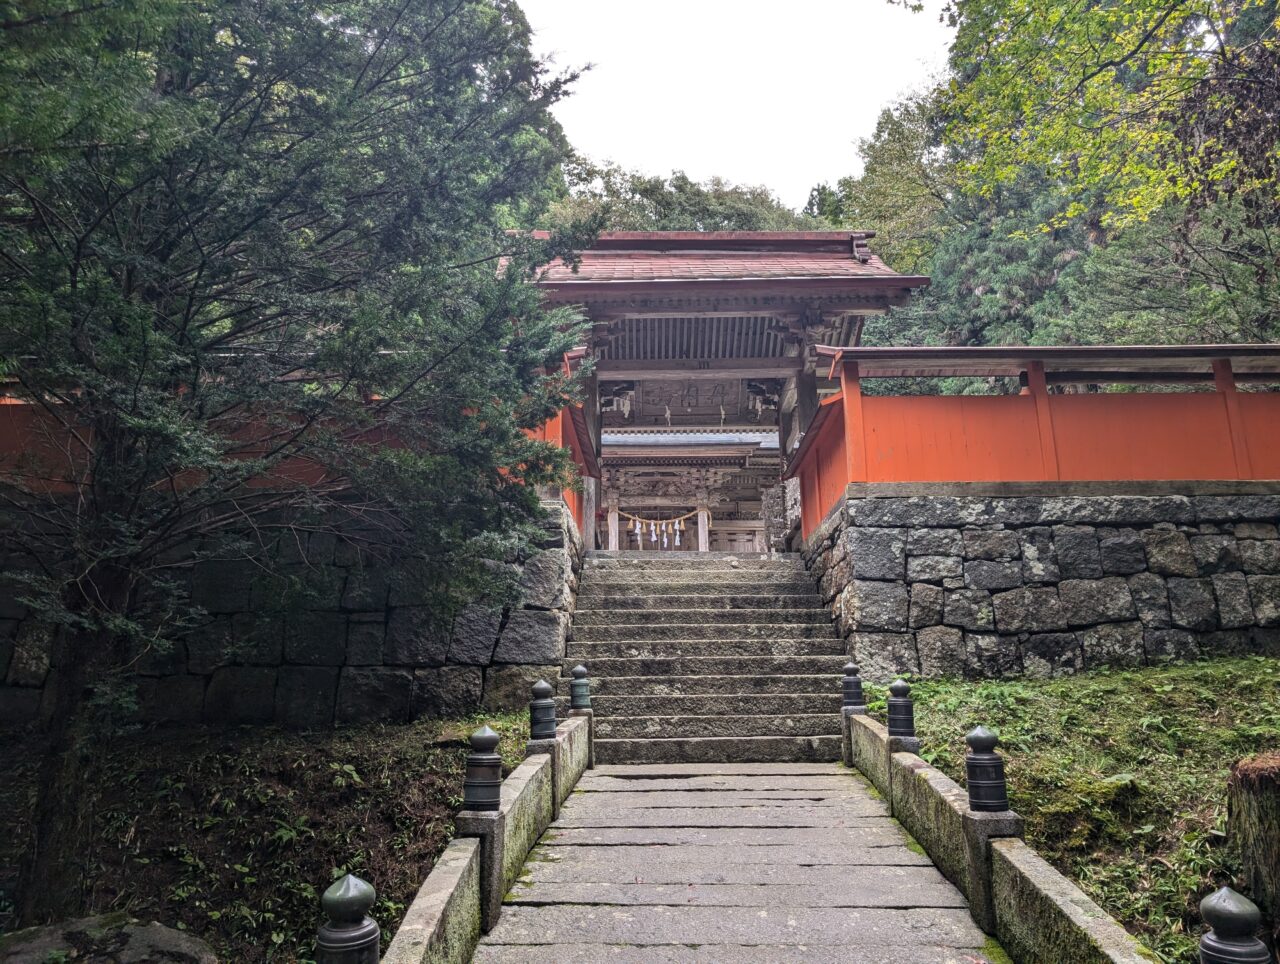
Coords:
1032,437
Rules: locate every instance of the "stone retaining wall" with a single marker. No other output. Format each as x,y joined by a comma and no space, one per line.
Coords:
1047,582
359,646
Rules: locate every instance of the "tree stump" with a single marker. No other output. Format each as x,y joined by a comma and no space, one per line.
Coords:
1253,822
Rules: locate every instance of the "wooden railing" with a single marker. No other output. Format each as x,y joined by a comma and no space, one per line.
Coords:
1038,435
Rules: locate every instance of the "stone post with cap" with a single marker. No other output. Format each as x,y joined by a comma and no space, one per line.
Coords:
580,705
542,712
902,719
1232,937
853,702
348,935
987,818
482,784
482,816
542,735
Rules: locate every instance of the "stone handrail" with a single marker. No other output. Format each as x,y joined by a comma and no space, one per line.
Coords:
975,840
462,896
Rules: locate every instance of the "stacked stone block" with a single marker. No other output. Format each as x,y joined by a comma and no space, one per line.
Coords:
1046,585
360,646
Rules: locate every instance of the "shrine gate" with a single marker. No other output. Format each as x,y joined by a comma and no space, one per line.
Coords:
729,363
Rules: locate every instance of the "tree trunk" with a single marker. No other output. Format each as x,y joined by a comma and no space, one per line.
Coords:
1253,822
51,884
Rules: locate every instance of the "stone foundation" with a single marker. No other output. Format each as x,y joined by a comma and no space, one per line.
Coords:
358,647
977,581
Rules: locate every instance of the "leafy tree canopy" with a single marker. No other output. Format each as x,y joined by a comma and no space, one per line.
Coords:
622,200
1084,173
1149,102
247,241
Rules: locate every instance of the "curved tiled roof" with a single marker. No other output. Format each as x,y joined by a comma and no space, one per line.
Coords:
690,256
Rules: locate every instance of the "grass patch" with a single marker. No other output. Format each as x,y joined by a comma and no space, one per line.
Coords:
1121,775
233,834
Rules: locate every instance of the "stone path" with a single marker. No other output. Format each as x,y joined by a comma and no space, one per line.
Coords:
778,862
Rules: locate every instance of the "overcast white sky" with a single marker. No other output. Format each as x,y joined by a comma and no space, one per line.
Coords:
757,91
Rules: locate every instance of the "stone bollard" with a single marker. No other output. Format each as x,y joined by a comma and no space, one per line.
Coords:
852,696
987,819
580,705
349,935
902,714
984,772
1233,921
482,817
542,712
902,719
482,785
853,702
580,689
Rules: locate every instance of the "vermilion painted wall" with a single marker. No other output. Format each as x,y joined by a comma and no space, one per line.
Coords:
1025,438
951,439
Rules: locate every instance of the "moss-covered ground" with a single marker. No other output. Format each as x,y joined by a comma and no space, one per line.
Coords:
233,834
1121,775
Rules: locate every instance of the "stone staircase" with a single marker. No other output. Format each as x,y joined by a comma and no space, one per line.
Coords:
706,657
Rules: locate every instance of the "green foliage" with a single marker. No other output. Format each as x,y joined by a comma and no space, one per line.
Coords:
620,200
1084,173
904,189
234,836
247,242
1098,95
1121,775
281,246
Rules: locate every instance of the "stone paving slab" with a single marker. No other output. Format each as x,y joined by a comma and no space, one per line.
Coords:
837,783
853,927
712,748
641,770
639,799
883,834
770,724
719,954
834,818
737,895
643,865
775,856
724,863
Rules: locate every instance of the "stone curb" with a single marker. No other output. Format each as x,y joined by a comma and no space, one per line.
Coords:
570,752
1042,916
442,925
1013,893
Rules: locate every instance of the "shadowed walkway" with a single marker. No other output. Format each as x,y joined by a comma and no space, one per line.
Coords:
730,862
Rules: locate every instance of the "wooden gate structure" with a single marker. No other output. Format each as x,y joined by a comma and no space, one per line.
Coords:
706,372
709,346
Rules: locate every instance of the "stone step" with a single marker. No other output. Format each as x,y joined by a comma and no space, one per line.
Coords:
708,704
592,602
681,578
702,561
678,591
722,749
697,617
674,727
587,653
729,685
658,631
711,666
